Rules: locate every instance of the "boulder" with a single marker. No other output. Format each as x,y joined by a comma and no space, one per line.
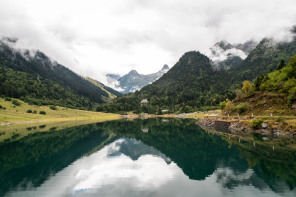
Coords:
265,138
264,125
221,124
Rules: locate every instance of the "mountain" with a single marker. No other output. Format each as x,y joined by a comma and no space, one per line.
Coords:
111,93
263,59
247,47
276,89
194,82
226,56
191,83
35,78
133,80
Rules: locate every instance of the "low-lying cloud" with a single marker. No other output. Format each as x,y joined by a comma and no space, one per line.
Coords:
98,37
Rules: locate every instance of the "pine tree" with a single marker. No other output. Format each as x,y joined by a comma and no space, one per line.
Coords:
281,64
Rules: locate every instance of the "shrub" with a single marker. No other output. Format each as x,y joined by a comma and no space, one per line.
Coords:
29,111
292,96
42,112
34,112
42,126
279,119
53,107
223,105
16,103
242,108
256,123
247,87
7,99
238,93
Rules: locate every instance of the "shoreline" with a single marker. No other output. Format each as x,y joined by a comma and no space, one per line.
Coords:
269,132
70,119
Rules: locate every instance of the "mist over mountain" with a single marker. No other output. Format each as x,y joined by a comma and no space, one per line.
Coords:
35,78
196,80
225,55
133,81
264,59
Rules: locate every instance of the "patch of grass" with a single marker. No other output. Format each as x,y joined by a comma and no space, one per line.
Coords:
208,108
11,115
279,119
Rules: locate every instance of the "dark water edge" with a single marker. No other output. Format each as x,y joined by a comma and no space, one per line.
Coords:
31,161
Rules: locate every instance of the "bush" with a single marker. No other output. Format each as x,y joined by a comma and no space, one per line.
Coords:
242,108
34,112
7,99
16,103
53,107
42,112
279,119
292,96
223,105
247,87
29,111
256,123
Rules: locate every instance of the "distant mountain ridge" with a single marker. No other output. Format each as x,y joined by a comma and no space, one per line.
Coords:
37,79
133,80
263,59
112,93
194,82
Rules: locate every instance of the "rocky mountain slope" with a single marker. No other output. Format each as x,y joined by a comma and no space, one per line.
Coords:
133,80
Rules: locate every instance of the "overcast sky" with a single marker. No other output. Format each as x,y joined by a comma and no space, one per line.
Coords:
95,37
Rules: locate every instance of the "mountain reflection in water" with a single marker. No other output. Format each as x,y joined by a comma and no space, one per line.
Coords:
174,158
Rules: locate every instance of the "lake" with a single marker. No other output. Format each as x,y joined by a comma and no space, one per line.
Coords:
151,157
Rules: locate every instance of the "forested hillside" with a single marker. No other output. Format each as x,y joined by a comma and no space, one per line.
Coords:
190,84
38,80
263,59
273,93
111,93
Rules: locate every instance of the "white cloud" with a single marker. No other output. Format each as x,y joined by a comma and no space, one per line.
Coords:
115,36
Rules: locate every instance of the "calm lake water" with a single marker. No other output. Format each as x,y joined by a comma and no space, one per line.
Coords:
153,157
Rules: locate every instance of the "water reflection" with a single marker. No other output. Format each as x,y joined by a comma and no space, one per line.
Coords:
175,158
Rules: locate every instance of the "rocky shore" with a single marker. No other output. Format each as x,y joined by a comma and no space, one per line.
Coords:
241,125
